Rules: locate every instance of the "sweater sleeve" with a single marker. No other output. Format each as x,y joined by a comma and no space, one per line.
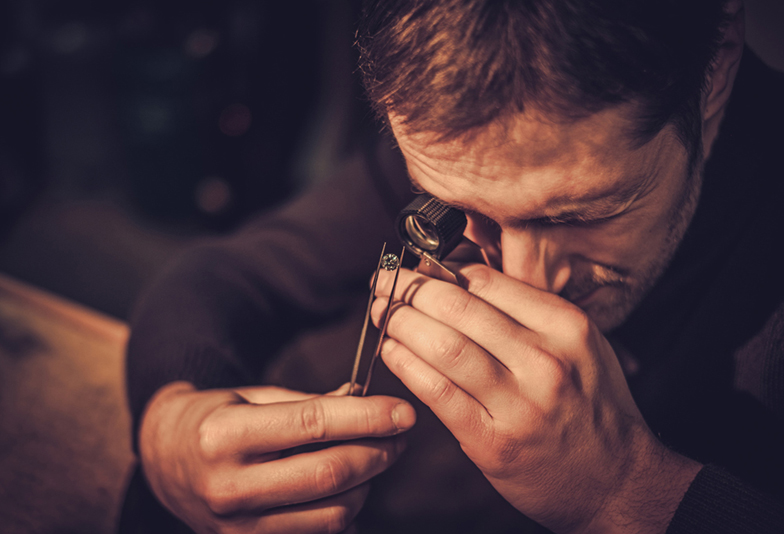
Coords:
224,308
718,503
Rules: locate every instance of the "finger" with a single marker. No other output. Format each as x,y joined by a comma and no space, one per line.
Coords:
534,308
527,355
331,515
492,329
461,413
303,477
448,351
409,282
252,429
270,394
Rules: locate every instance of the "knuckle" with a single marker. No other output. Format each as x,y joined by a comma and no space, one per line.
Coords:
553,370
561,380
578,323
313,420
507,452
560,375
455,304
330,476
336,519
375,419
219,494
480,279
511,446
449,349
211,435
399,361
369,419
443,391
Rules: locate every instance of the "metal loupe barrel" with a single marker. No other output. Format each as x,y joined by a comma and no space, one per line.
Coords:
427,225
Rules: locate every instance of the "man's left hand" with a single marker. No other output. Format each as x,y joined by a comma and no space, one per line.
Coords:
537,399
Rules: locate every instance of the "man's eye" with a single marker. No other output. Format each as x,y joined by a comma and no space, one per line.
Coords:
547,222
599,221
579,222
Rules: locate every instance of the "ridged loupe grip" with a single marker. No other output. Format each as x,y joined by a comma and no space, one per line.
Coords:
446,222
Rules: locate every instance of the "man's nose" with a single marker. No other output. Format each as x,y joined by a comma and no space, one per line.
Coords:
532,256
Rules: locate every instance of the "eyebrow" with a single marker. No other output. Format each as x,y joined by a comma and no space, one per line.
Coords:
582,213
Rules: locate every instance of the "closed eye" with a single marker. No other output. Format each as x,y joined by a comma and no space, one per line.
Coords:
576,220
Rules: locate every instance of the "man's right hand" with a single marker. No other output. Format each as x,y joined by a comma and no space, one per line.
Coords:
216,458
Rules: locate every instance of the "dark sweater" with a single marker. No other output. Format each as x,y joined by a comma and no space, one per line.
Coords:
280,302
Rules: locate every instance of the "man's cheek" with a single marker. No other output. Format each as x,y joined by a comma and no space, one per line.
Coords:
623,247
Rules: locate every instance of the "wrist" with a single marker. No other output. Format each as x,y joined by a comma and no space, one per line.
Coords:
168,450
645,500
160,417
155,408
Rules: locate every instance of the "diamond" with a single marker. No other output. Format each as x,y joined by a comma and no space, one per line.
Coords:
390,262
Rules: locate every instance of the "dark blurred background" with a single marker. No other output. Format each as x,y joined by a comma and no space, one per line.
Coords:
129,128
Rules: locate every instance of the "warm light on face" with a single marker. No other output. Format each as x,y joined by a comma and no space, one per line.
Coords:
573,208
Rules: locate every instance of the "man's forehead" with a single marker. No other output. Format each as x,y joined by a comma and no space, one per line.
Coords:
589,164
595,203
530,139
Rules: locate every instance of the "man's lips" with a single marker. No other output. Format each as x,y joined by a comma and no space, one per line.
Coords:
582,299
587,280
582,296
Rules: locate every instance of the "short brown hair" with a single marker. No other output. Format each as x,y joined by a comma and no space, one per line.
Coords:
451,66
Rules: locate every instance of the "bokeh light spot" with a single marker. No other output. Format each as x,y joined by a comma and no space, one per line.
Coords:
213,195
200,43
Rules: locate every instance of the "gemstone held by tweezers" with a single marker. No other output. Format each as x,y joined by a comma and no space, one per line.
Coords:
390,262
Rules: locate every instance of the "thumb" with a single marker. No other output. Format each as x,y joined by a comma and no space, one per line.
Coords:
271,394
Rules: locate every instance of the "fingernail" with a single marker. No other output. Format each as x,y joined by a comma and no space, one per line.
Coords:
342,390
386,346
403,416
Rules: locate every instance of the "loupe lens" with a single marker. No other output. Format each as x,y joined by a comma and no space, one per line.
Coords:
427,225
422,233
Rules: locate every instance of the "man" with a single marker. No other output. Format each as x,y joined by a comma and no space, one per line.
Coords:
575,137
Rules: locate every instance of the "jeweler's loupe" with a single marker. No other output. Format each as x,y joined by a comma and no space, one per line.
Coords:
431,230
428,226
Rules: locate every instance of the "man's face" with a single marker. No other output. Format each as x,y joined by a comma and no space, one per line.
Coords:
572,208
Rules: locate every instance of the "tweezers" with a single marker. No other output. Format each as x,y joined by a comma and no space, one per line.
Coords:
388,262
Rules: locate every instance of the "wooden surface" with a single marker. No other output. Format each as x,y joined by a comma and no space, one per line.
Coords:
64,426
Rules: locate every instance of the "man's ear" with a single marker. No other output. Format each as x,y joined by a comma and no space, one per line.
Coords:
725,65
